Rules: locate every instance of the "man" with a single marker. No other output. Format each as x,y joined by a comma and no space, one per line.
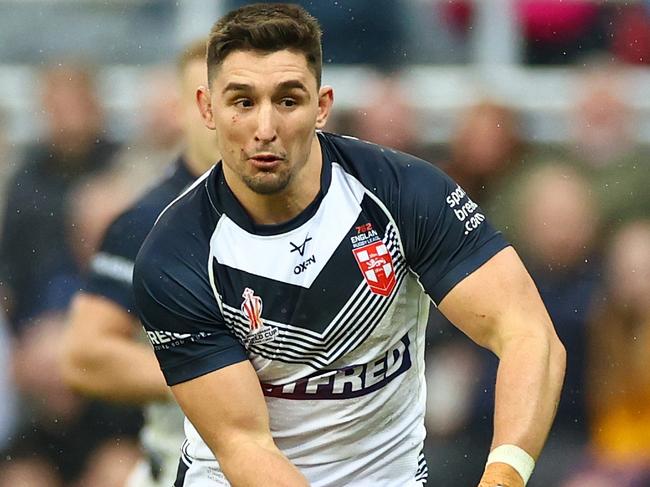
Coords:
103,356
38,269
283,292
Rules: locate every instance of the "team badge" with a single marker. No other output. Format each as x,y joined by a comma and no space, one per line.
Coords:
376,265
252,309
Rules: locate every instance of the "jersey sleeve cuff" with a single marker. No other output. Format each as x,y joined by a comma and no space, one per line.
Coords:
203,365
438,290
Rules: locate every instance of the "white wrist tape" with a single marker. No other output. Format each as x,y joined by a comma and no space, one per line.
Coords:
514,456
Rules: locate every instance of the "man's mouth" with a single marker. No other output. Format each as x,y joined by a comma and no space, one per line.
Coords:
265,160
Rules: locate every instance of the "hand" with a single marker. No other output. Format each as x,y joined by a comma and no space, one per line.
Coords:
501,474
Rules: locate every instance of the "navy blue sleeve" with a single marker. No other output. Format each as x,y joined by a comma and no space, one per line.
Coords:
445,234
177,306
111,268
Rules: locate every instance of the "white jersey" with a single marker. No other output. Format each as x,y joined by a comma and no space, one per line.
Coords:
330,307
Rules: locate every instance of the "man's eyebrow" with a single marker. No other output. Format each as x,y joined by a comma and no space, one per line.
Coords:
292,84
232,86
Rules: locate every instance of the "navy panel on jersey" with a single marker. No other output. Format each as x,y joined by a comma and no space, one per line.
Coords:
445,235
174,296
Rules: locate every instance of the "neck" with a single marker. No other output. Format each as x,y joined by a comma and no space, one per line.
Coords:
282,207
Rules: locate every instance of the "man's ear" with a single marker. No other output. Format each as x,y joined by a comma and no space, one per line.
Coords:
325,101
205,106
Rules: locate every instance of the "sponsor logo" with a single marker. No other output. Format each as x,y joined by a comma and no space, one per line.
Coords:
376,265
349,382
465,209
252,309
300,248
365,235
302,267
164,340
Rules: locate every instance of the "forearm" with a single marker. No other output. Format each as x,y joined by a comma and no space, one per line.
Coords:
118,370
228,409
529,381
269,469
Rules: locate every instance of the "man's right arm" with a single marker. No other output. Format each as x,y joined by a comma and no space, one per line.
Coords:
227,408
102,358
201,357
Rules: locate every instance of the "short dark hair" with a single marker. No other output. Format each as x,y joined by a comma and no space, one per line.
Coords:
266,28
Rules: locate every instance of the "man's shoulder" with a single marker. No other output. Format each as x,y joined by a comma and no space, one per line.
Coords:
373,160
186,219
384,170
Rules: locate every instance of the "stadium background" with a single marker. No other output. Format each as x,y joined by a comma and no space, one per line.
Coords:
539,108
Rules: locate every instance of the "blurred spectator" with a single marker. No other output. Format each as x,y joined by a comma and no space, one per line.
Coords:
619,377
603,145
159,129
485,146
62,436
557,229
556,222
33,246
387,119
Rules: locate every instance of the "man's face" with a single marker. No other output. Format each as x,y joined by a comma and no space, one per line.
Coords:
265,109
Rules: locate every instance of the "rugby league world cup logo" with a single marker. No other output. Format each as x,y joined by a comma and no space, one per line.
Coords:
252,309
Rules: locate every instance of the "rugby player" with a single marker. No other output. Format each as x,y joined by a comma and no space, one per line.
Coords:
286,293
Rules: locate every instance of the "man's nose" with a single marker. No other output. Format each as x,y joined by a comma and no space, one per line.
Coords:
266,124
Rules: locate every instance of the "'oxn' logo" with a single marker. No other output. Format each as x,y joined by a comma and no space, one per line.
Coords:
376,264
252,308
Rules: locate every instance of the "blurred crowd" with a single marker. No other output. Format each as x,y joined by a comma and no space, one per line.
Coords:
578,214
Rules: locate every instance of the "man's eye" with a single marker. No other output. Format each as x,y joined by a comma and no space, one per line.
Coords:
288,102
244,103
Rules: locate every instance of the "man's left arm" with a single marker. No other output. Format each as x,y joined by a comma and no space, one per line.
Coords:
499,307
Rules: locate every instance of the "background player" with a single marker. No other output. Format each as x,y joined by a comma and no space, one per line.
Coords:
103,356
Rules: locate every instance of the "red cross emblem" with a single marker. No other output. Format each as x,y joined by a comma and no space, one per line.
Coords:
376,265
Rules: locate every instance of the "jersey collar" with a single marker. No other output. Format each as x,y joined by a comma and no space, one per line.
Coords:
226,202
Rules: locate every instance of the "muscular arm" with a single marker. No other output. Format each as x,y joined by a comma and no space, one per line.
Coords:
102,358
499,308
228,409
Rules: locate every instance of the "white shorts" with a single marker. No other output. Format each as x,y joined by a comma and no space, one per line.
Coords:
203,473
199,473
142,475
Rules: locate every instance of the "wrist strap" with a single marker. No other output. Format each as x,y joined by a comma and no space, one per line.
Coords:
514,456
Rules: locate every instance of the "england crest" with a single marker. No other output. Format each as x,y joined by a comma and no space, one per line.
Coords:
376,265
